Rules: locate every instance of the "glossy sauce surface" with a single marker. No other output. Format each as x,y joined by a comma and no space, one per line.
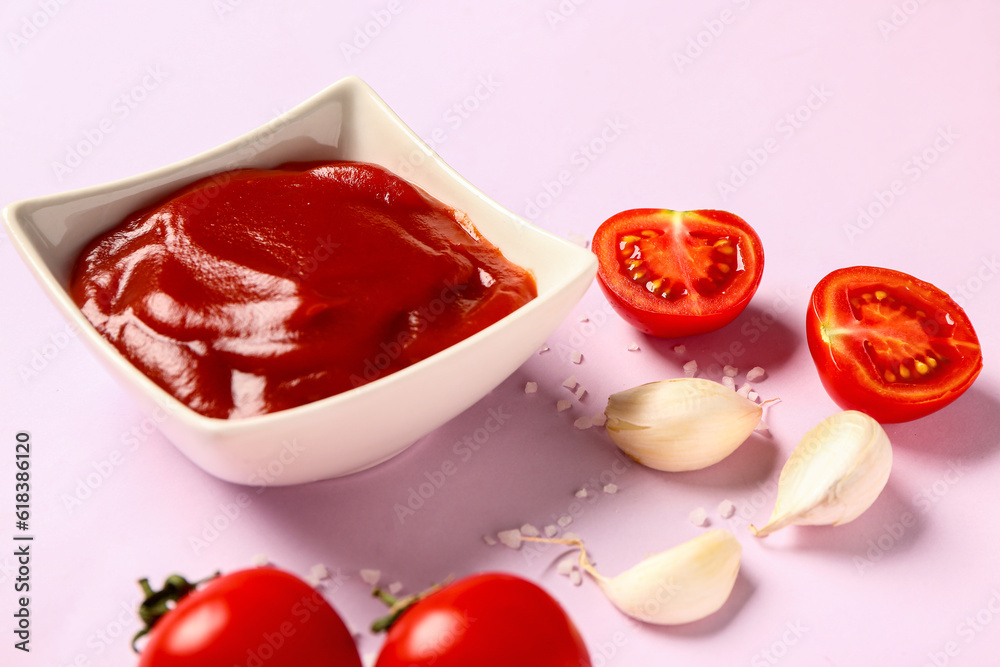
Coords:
254,291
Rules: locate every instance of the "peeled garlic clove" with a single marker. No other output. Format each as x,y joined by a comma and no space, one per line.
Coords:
680,424
834,474
683,584
680,585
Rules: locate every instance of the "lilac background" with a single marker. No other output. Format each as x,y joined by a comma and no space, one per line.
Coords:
629,105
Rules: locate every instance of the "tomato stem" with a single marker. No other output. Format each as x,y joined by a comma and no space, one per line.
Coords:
399,605
158,603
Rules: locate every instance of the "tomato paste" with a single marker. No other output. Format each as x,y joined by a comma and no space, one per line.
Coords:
254,291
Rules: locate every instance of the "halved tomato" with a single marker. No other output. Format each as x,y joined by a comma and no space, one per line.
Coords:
678,273
890,345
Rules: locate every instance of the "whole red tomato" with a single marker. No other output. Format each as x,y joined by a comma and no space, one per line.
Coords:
486,620
678,273
890,345
261,616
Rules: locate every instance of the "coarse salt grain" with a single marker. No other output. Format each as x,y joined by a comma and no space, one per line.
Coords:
312,581
395,587
564,520
576,356
530,387
575,577
728,382
599,419
680,349
563,405
566,565
611,488
580,392
691,369
756,373
570,382
727,509
260,560
745,391
490,540
582,493
510,538
731,371
550,530
753,396
633,347
699,516
529,531
569,535
370,577
319,571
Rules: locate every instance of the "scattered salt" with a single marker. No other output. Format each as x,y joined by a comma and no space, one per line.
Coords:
529,531
580,392
568,535
745,391
731,371
728,381
566,565
756,373
564,520
582,493
599,419
727,509
395,587
680,349
490,540
531,388
576,356
550,531
699,516
319,571
611,488
633,347
753,396
563,405
510,538
575,577
312,581
260,560
570,382
370,577
691,369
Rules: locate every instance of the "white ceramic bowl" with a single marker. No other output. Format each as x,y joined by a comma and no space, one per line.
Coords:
364,426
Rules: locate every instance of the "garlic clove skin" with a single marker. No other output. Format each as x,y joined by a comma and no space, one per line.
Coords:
681,585
834,474
680,424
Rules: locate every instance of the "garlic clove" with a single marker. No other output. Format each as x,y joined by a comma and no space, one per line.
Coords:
834,474
680,424
680,585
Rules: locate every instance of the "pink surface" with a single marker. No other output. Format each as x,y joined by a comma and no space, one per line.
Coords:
795,118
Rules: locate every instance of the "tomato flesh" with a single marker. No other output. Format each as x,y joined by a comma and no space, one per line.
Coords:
486,620
678,273
890,345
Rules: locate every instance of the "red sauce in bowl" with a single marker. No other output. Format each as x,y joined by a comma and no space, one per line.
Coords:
254,291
